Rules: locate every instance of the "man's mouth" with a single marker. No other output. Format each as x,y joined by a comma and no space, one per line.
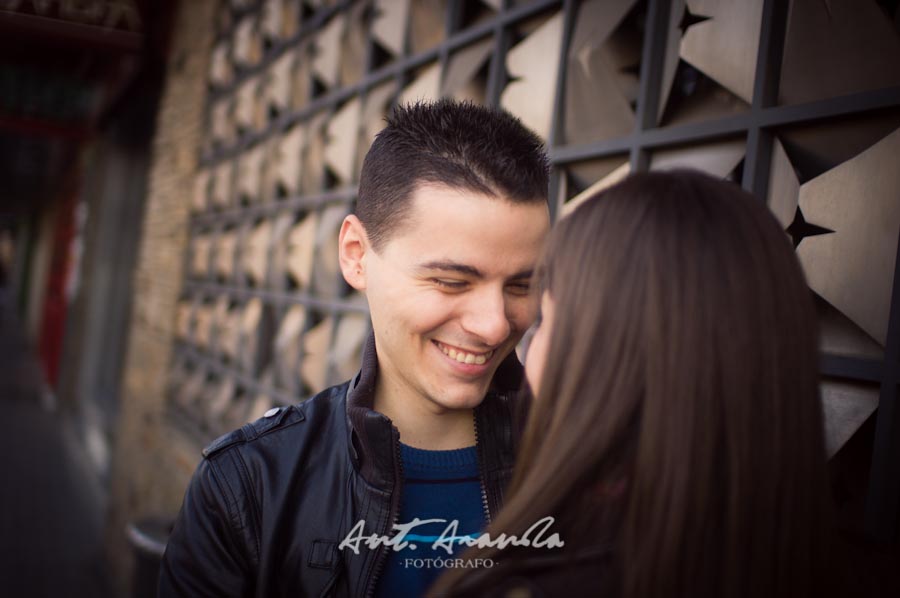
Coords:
464,356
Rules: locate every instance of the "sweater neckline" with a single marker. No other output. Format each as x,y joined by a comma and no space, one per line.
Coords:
443,460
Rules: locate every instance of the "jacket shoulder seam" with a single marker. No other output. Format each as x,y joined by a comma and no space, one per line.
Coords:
230,499
254,504
238,437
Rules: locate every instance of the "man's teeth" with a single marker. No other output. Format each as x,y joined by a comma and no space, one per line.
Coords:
463,357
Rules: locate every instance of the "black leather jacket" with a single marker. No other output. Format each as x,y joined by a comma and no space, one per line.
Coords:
270,502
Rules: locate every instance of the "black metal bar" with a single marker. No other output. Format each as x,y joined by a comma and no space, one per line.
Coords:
246,381
275,52
188,424
729,126
557,124
389,71
758,125
296,378
497,69
852,368
653,59
586,151
301,337
214,239
236,15
888,97
757,162
236,273
553,199
870,100
187,259
211,289
370,52
734,125
290,204
883,499
454,17
243,280
769,56
449,45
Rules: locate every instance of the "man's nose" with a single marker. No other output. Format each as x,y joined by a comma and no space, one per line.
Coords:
486,317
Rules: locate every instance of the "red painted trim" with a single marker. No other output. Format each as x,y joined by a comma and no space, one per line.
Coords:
56,304
43,128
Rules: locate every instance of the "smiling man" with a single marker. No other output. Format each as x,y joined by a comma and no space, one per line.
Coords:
450,220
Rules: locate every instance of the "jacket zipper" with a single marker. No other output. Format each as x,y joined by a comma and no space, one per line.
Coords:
381,555
382,551
481,471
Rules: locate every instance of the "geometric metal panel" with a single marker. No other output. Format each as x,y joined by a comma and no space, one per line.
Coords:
845,408
389,26
294,108
853,267
533,62
837,48
599,88
724,46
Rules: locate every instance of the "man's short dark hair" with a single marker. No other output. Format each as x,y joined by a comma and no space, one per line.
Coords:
458,145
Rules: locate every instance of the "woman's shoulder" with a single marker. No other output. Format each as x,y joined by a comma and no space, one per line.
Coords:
582,572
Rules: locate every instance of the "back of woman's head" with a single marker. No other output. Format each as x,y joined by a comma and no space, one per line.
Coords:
681,370
684,356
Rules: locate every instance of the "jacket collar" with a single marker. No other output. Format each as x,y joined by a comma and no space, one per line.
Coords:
372,443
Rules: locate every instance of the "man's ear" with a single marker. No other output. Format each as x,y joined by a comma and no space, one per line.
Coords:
353,245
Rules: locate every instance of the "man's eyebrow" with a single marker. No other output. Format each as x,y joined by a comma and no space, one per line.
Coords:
469,270
452,267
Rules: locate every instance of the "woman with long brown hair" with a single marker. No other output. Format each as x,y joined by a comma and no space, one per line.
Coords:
676,431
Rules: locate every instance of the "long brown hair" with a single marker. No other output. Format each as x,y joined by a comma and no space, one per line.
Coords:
682,370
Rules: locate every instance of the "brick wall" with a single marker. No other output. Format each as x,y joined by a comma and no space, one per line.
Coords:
152,461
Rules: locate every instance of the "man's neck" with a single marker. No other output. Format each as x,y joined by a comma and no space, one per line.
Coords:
425,425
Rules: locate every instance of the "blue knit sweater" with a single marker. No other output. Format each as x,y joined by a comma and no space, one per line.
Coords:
436,485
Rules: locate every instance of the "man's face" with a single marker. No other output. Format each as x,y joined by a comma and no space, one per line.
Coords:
449,294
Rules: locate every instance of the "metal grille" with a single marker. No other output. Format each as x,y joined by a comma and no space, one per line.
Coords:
298,88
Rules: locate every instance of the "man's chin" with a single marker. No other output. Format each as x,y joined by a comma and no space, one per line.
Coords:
459,402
